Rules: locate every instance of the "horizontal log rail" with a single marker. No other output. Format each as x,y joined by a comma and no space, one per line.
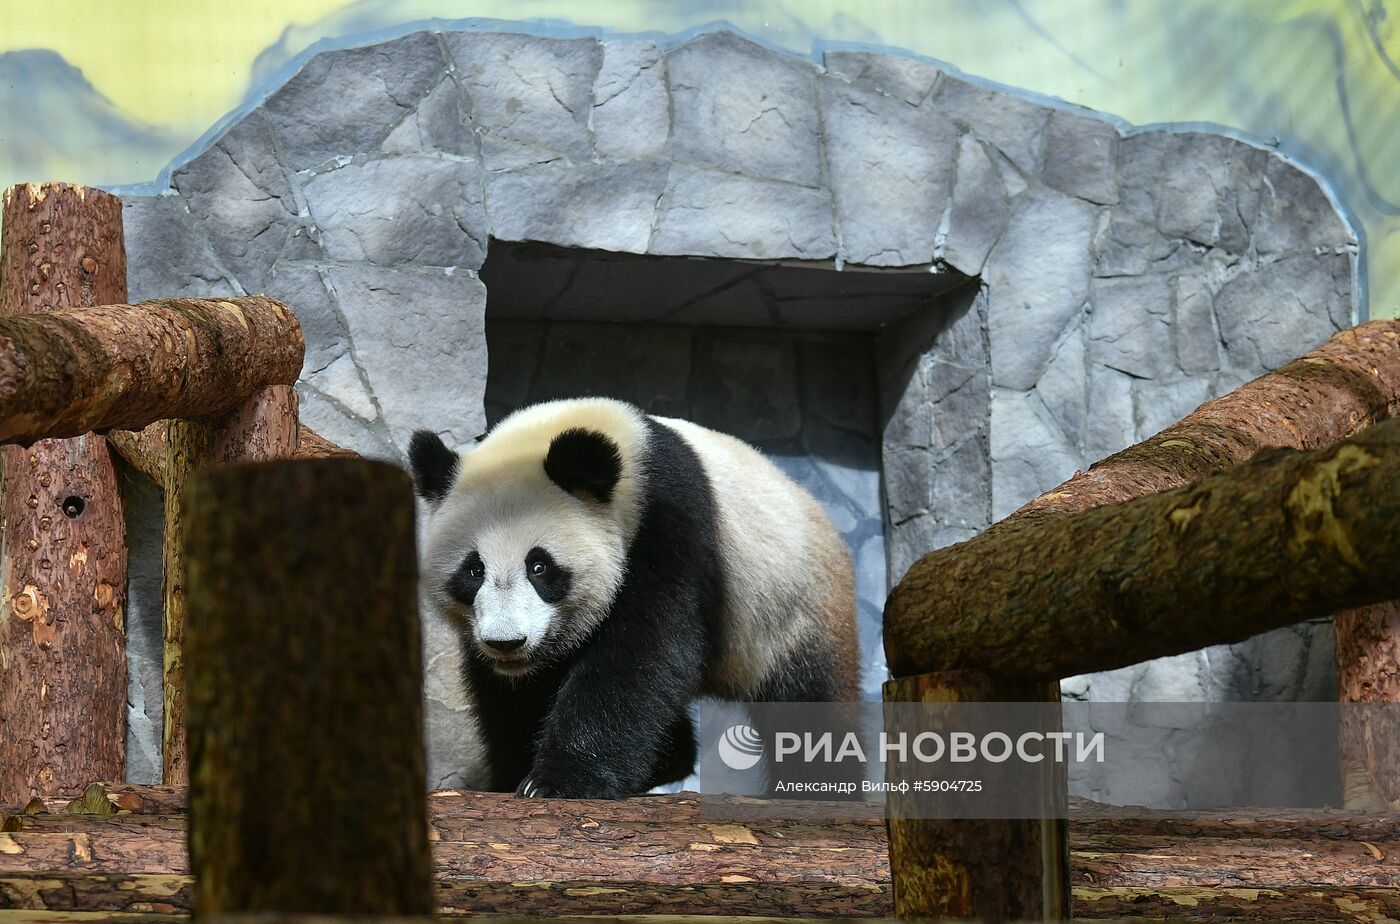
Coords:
1286,537
126,366
146,449
496,854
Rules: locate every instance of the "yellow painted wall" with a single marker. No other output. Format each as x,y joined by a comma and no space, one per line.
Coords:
1321,76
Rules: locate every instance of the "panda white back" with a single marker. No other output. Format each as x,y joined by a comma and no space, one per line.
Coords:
789,580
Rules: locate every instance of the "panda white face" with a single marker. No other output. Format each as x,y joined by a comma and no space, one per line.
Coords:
526,583
527,537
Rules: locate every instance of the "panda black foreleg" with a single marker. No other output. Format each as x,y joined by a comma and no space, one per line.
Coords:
616,713
677,758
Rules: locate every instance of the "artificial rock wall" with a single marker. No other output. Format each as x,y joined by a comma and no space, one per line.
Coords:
1126,275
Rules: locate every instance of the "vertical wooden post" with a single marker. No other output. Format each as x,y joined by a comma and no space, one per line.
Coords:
984,869
307,777
63,551
263,428
1368,676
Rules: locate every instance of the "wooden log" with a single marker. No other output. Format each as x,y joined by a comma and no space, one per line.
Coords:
262,428
991,869
125,366
1368,675
1321,866
1286,537
145,449
62,535
290,698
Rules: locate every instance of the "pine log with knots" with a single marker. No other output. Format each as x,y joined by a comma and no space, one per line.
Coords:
305,690
125,366
144,449
1125,860
1285,537
264,427
62,534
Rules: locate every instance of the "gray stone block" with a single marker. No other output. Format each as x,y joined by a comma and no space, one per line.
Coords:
1161,404
961,486
979,209
958,396
530,96
427,368
1038,281
746,385
342,383
588,205
439,124
1029,454
241,199
1280,310
1081,156
1111,423
1193,326
166,255
410,209
1126,247
739,107
908,483
143,512
631,109
330,419
652,369
1296,215
1064,386
1140,156
1014,126
722,215
343,103
899,76
1208,190
1130,325
891,173
838,384
300,287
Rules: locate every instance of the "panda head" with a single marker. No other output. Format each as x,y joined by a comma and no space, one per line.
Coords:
526,538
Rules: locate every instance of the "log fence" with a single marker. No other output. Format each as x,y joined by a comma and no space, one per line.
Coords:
197,394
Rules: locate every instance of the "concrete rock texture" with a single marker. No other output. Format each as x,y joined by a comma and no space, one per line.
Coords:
1125,275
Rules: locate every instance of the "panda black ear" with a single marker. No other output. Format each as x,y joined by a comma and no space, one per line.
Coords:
434,465
584,462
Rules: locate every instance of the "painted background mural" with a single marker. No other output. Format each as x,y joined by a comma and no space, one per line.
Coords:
109,93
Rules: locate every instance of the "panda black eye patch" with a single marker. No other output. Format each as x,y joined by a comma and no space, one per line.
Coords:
550,580
467,579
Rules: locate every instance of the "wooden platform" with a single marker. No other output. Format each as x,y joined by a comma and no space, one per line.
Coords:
658,856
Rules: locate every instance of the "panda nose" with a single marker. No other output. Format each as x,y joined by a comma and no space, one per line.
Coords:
504,645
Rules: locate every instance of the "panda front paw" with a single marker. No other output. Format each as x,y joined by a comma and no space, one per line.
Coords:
542,784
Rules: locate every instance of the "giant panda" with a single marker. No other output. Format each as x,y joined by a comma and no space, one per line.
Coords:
604,568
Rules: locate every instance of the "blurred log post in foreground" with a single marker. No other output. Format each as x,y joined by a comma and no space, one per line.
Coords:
62,536
307,787
985,869
214,375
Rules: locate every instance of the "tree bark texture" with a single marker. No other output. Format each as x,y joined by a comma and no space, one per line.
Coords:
1368,674
1286,537
262,428
62,535
144,449
994,869
494,854
305,699
124,366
